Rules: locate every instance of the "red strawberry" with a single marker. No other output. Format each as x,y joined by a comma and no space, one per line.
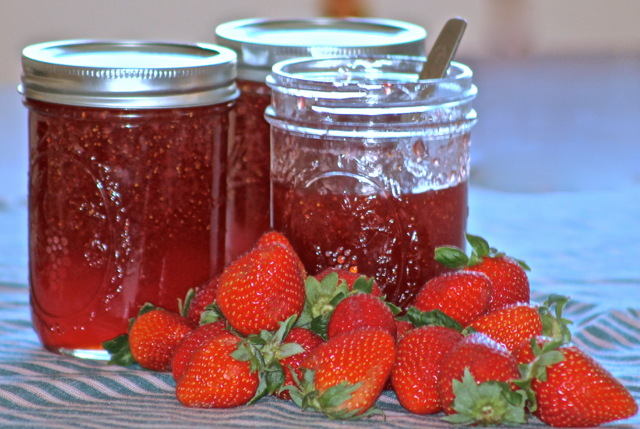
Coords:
260,289
517,323
349,277
277,237
418,362
358,311
345,376
309,341
403,328
463,296
463,386
214,379
509,280
152,339
572,389
510,284
191,343
511,325
205,295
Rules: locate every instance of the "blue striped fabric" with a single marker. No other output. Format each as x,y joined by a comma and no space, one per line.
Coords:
39,389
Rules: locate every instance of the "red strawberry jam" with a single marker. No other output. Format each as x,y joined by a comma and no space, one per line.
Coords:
381,236
125,207
248,180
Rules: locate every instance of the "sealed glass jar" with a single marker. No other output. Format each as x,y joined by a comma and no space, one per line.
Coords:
260,43
128,154
370,166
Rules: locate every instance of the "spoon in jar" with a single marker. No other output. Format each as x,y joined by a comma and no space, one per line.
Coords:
443,49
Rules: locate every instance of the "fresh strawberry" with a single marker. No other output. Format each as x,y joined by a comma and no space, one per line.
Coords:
260,289
349,277
511,325
214,379
191,343
570,388
153,336
204,295
464,296
403,328
474,383
323,296
344,376
510,284
308,341
517,323
417,367
277,237
361,310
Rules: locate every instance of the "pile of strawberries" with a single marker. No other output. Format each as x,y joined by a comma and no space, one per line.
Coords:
472,345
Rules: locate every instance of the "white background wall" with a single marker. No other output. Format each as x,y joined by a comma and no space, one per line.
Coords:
496,27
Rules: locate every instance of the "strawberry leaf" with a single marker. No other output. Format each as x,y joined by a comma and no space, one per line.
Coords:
184,308
321,298
289,349
431,318
208,315
119,350
147,307
363,285
523,264
395,310
555,327
489,403
451,257
319,325
479,245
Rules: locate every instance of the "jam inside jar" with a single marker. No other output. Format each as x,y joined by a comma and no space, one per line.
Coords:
370,166
123,209
248,185
259,44
128,150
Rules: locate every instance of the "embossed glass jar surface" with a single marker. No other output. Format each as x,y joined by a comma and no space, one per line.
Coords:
127,186
260,43
370,166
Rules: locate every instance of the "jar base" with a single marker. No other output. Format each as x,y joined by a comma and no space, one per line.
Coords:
91,354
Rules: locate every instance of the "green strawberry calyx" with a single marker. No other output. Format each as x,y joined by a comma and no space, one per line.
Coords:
330,401
183,306
119,348
489,403
555,333
453,257
555,327
323,296
264,352
429,318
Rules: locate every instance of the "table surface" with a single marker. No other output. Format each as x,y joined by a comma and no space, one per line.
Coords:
555,181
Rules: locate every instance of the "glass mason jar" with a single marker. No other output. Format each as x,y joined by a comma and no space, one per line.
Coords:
370,166
260,43
128,154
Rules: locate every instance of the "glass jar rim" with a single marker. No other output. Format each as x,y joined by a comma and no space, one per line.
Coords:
128,74
262,42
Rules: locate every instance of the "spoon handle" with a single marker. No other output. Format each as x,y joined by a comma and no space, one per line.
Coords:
443,49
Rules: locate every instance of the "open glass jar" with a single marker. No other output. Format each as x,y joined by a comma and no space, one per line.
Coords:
128,155
370,166
261,43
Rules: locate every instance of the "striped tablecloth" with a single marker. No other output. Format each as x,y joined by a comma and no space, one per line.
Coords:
585,245
39,389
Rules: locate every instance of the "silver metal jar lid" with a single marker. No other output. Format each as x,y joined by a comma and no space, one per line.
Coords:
128,74
261,43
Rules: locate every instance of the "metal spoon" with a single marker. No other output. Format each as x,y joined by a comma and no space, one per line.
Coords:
443,49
